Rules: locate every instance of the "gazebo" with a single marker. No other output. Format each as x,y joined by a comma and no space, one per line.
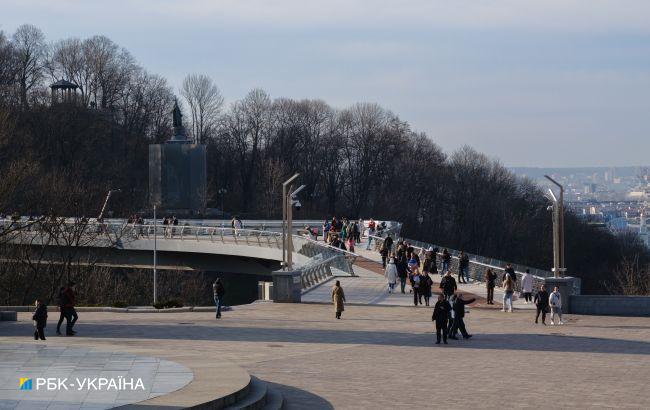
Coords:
64,91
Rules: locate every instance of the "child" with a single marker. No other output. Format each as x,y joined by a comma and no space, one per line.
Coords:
40,320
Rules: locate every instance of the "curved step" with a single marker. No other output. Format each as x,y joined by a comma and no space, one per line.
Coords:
256,398
274,399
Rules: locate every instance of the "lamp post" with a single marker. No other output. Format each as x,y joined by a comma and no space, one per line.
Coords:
285,201
558,229
155,261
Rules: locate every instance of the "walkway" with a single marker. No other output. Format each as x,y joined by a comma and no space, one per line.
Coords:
370,287
383,357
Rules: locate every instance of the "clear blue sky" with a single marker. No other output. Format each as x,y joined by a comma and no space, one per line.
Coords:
511,78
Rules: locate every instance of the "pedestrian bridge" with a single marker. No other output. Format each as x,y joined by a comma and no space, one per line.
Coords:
178,247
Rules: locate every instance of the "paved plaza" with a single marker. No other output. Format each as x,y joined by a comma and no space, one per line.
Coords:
76,363
381,356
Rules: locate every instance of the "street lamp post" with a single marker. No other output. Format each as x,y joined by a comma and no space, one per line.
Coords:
155,261
285,214
558,229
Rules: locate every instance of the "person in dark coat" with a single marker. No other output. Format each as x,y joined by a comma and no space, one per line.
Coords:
490,283
70,312
448,285
218,291
541,301
441,317
459,314
388,242
425,287
402,271
384,255
61,303
40,320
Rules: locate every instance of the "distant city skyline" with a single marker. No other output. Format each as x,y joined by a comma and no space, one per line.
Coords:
511,79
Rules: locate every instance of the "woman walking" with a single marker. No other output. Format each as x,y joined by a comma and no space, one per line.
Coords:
541,301
338,298
425,287
509,290
527,286
555,300
391,274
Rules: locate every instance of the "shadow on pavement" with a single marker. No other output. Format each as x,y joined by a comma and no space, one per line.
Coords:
295,398
497,341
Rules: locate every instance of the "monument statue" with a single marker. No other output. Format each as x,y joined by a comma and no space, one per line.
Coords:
177,116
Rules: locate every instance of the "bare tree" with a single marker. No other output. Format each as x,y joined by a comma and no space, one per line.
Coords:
205,101
29,44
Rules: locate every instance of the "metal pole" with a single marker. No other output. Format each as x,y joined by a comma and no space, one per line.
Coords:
561,233
155,249
284,228
289,235
558,231
285,204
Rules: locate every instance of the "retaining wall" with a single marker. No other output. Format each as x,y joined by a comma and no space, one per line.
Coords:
610,305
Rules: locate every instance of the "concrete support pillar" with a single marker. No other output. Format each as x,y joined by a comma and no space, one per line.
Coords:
287,286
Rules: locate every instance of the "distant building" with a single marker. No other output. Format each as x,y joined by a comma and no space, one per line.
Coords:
177,172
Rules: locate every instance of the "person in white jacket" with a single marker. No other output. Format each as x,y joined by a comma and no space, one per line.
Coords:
527,287
391,274
555,300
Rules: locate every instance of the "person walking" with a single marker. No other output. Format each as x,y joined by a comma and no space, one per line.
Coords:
441,316
415,284
389,242
351,243
61,304
459,317
425,287
463,268
390,273
40,320
371,232
541,301
402,271
446,260
71,316
384,254
448,285
490,283
527,286
218,291
508,291
338,298
555,300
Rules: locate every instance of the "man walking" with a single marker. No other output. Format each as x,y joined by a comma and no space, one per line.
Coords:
441,317
541,301
69,299
218,291
459,314
463,268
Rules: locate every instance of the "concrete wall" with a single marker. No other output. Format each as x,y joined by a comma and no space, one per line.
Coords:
610,305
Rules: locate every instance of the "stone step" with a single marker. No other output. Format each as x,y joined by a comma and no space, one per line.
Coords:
255,399
274,400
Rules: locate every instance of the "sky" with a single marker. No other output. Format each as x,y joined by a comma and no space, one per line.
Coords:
548,83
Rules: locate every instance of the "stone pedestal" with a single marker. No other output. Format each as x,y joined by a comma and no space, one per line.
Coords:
287,286
566,290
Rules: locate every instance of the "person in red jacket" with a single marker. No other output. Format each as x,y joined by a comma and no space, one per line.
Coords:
69,299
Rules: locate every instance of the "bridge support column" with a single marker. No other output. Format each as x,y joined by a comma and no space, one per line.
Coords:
287,286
